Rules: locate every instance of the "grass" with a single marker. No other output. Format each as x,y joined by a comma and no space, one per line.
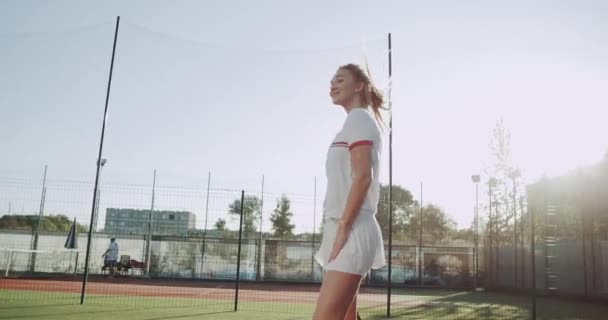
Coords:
412,304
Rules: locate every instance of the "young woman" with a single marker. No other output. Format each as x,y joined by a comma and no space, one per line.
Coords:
352,241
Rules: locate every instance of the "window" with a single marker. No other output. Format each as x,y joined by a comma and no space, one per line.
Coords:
171,217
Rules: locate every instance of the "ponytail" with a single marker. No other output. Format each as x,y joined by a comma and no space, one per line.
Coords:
372,97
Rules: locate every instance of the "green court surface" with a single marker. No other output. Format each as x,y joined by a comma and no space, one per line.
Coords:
22,304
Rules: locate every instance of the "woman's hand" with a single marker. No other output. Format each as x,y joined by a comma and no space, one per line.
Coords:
341,237
361,164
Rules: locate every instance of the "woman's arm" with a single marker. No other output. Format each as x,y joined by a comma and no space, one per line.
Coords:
361,165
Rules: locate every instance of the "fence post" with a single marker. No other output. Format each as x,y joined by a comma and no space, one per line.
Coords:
314,225
258,275
390,177
533,256
76,262
99,160
8,262
39,223
204,245
149,237
238,257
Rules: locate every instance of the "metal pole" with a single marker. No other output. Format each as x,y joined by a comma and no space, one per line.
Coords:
149,238
238,257
97,206
592,246
103,162
533,256
103,129
584,223
76,263
498,238
8,263
584,241
521,231
96,211
314,225
549,211
39,224
491,227
515,274
259,246
390,177
42,201
205,226
420,239
476,234
506,225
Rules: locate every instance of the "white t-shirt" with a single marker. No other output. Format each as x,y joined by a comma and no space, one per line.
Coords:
113,253
359,128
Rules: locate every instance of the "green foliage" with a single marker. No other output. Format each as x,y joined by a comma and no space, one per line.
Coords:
281,219
436,225
220,225
504,184
402,200
60,223
251,213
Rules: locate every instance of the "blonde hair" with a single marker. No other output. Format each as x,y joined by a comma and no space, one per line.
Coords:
372,97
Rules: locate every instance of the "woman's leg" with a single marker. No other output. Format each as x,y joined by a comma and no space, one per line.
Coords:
338,292
351,314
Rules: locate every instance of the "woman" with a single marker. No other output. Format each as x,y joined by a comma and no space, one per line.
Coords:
352,241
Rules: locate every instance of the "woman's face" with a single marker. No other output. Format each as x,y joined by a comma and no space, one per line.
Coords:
344,87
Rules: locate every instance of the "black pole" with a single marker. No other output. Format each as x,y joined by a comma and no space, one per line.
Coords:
258,271
390,179
39,223
591,217
522,279
103,129
205,227
40,212
491,225
238,257
515,275
476,235
421,278
583,233
533,256
314,225
149,238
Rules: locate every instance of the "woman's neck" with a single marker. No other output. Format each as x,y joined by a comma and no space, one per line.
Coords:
354,104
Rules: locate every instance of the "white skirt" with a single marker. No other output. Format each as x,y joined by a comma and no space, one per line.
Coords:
364,249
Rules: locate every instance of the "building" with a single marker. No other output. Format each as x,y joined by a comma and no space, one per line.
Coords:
133,221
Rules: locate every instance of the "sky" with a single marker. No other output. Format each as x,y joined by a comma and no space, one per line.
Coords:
239,89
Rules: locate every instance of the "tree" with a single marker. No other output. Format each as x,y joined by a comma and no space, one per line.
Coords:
467,234
402,202
220,225
504,224
251,213
281,219
60,223
504,184
436,225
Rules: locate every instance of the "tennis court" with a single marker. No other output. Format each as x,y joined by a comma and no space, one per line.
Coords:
209,162
59,299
